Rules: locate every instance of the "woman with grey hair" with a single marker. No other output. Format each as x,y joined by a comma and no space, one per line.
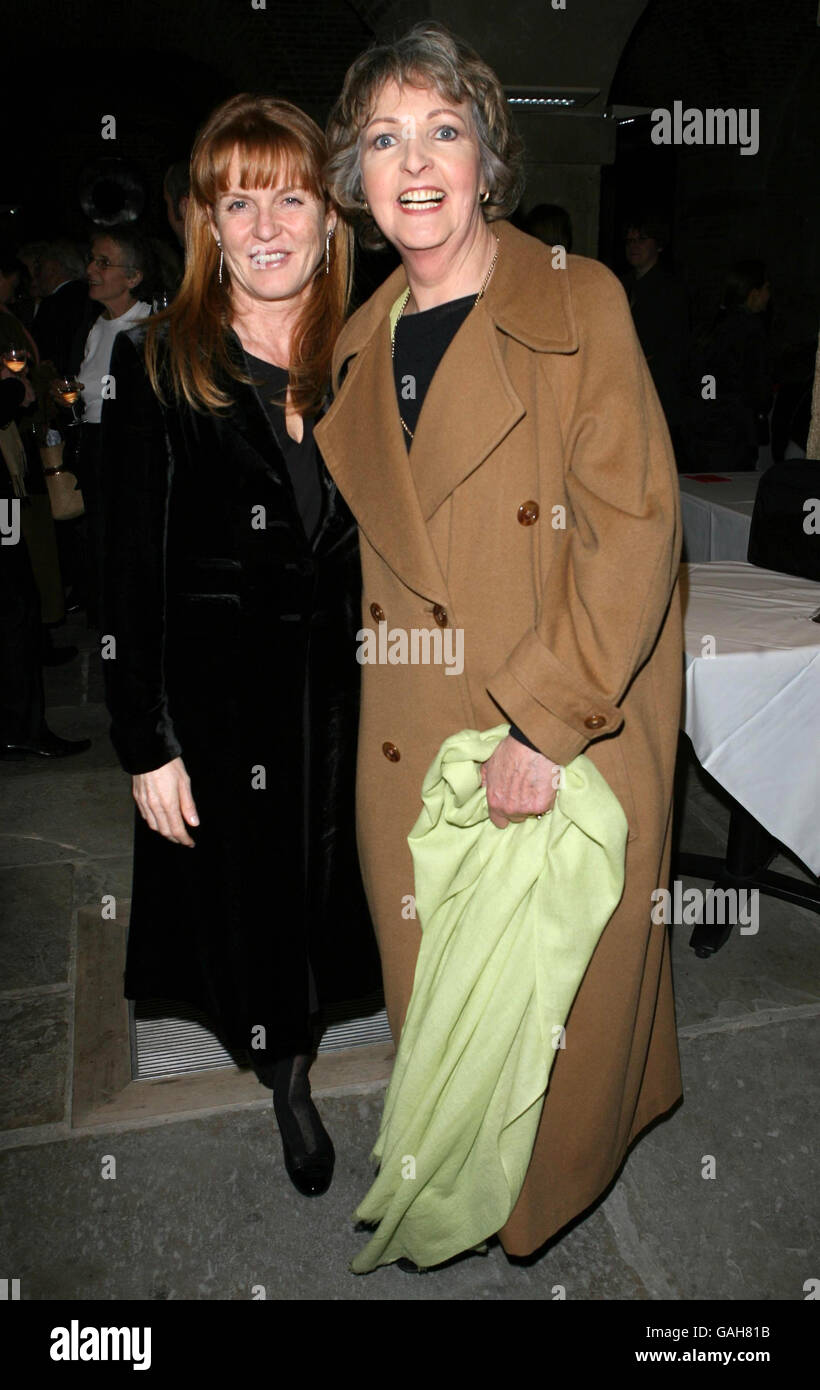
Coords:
120,275
497,435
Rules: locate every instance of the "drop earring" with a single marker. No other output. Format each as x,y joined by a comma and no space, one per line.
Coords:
327,250
221,259
484,197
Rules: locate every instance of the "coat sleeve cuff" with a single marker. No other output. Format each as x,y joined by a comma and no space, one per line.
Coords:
558,714
146,744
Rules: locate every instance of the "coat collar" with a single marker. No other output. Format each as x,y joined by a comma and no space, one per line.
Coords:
544,321
363,447
471,405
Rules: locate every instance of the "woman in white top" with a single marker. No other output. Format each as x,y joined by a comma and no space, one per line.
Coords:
121,273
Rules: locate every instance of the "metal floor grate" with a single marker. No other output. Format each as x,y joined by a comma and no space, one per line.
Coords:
172,1039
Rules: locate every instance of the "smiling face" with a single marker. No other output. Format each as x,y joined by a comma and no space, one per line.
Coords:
110,279
421,169
273,239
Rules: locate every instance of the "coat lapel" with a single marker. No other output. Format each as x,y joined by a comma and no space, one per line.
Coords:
362,444
470,407
471,404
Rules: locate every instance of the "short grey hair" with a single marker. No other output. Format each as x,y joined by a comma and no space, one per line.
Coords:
428,55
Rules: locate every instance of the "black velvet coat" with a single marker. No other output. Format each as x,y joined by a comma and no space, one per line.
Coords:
235,650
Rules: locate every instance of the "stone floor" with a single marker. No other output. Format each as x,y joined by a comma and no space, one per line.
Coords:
202,1209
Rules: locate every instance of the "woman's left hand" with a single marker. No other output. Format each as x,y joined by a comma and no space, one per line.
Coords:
519,782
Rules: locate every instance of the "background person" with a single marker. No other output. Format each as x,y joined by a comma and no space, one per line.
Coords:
27,301
62,294
23,727
120,278
176,188
550,223
60,326
726,427
660,313
28,429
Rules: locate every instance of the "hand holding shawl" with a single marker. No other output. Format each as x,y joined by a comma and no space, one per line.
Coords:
510,919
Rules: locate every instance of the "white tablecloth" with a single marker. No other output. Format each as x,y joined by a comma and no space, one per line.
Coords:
752,693
717,516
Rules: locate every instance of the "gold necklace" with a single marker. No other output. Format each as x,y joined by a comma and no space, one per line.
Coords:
404,425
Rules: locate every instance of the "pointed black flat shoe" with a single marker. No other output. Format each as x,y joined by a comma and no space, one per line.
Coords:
313,1175
306,1145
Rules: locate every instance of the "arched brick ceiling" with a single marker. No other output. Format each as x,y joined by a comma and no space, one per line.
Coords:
709,54
527,42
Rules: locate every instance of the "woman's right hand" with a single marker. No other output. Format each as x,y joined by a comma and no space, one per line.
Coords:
165,801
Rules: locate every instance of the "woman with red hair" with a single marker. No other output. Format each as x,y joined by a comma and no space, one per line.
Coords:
231,607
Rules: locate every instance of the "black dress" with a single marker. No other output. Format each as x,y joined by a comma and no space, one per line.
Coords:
236,651
301,456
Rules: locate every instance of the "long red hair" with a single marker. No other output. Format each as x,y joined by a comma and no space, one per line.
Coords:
276,144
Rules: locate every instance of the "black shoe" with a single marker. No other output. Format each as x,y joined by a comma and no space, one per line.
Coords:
48,745
408,1267
311,1175
306,1145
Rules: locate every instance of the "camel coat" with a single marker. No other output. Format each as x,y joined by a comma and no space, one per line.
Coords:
537,511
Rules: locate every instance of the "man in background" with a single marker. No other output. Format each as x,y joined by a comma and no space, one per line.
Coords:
660,313
177,187
59,283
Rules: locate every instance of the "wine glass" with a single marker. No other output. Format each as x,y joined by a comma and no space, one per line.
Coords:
15,358
67,390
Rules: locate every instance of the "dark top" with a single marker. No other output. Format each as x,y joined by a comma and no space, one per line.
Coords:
59,319
302,456
661,317
421,341
723,431
12,392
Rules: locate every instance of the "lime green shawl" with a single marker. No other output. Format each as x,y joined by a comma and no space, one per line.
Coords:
510,919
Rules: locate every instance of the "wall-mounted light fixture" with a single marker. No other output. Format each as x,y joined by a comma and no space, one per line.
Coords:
545,98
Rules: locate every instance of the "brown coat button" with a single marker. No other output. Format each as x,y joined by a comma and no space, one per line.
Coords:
528,513
440,615
391,752
595,721
377,613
